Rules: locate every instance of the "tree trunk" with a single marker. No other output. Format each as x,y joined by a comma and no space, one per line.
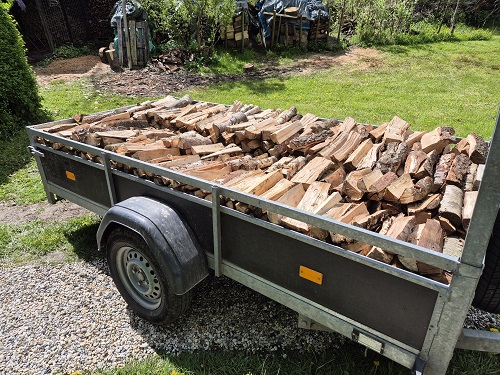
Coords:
452,27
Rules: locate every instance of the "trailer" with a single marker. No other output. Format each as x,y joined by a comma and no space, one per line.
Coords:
161,243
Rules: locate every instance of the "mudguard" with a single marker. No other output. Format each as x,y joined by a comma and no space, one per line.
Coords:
165,233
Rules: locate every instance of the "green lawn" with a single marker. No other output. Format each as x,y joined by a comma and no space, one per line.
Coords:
453,84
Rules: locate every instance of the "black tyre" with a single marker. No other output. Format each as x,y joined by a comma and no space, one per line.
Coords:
487,295
138,274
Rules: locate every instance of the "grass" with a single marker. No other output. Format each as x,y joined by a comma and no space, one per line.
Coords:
21,243
453,84
349,359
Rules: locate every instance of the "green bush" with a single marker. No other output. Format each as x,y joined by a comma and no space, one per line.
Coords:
20,103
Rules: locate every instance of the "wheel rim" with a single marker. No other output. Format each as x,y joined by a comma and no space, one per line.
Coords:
139,277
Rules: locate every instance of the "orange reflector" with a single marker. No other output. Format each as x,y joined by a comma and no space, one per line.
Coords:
70,175
311,275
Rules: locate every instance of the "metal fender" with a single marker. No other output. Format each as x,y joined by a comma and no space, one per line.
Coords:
174,245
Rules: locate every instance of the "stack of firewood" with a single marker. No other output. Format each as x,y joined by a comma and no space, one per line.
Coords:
413,186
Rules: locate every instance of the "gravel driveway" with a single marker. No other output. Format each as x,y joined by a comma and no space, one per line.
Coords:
69,316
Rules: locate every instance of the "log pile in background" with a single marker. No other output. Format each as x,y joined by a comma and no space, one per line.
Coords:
418,187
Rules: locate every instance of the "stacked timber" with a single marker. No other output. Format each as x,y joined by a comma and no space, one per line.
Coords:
235,34
418,187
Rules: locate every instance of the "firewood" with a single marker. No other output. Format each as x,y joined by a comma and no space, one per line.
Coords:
285,116
153,153
438,139
336,178
278,165
309,140
207,149
417,192
236,106
244,180
378,133
263,183
236,118
371,221
395,190
442,169
180,161
345,129
478,148
312,170
430,203
286,132
254,163
278,190
320,126
469,179
292,167
240,127
291,198
357,247
400,229
314,197
458,170
415,159
376,252
432,238
371,157
453,246
369,179
350,187
392,157
427,167
479,177
255,131
451,204
346,213
357,156
414,138
231,149
230,176
209,174
188,142
470,198
395,130
377,189
171,102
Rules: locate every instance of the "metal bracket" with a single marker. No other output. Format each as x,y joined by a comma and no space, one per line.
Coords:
418,367
368,341
306,323
33,151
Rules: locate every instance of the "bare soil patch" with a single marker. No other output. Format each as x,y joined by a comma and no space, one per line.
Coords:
152,81
13,214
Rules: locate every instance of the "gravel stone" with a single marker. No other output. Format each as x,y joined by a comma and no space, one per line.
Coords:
70,317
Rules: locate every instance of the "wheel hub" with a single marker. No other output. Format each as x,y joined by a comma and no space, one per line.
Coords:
139,277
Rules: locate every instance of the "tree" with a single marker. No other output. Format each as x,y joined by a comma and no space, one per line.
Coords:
20,103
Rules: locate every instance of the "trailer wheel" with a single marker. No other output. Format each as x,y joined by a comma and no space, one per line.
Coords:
138,275
487,295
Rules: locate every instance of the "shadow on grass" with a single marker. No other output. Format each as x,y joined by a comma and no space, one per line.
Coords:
84,242
14,155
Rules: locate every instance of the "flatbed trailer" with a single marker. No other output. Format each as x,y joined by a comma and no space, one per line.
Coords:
167,241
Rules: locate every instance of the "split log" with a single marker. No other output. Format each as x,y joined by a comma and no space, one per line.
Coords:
378,188
278,190
442,169
264,183
414,138
430,203
395,190
415,159
285,116
153,153
188,142
355,159
371,157
345,130
206,149
312,170
470,198
369,179
286,132
427,167
278,165
309,140
371,221
293,167
458,170
392,157
438,139
378,133
478,149
376,252
417,192
237,117
471,176
231,149
451,204
479,177
396,130
432,237
350,187
291,198
453,246
314,197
